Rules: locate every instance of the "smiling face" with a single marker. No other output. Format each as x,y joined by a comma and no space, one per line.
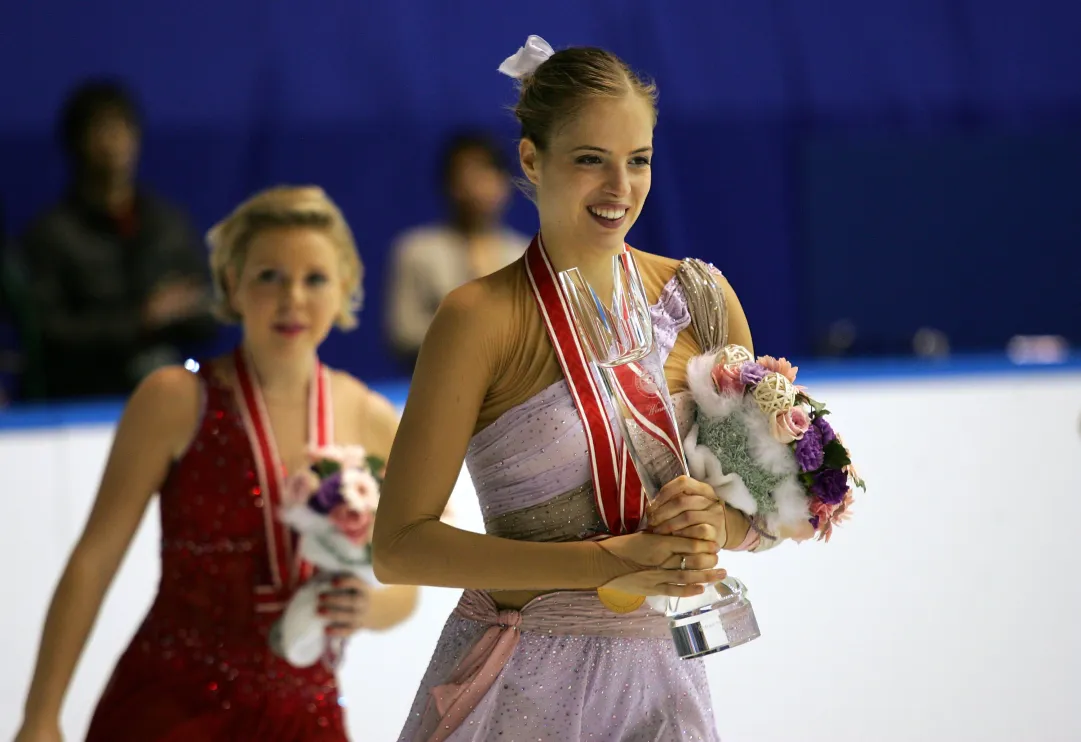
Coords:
289,290
593,178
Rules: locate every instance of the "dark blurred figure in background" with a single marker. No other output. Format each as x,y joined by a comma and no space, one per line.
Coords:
115,273
429,262
19,348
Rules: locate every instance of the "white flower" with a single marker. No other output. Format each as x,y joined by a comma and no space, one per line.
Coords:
360,490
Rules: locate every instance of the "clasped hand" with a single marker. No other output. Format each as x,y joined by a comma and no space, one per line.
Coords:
689,508
678,555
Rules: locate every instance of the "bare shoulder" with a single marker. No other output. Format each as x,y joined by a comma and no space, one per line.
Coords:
658,270
664,268
376,417
479,310
474,332
493,291
173,388
726,287
739,331
359,395
657,262
167,404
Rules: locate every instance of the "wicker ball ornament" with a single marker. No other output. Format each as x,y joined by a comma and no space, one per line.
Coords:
733,355
775,393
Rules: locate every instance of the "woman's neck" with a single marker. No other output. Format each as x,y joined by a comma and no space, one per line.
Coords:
594,262
282,379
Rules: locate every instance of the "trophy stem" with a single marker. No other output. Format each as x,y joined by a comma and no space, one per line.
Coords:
653,445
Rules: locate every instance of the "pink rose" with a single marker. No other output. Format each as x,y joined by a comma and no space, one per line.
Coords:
299,487
789,425
354,525
726,380
779,365
820,510
824,513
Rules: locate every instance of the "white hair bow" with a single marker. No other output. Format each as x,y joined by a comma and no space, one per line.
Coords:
527,59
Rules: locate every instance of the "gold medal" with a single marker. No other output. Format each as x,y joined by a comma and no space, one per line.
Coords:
619,602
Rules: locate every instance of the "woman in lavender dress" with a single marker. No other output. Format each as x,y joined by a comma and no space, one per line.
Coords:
548,642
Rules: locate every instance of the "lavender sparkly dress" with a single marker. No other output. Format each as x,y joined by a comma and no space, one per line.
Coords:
570,669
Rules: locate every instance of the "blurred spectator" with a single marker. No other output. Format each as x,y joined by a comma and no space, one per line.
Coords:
430,261
117,277
8,328
18,340
929,342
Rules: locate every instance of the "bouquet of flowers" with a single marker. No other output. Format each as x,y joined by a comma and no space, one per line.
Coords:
331,505
765,446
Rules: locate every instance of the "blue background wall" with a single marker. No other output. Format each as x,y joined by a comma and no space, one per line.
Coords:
899,162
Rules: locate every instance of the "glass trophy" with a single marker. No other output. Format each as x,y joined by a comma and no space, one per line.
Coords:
618,339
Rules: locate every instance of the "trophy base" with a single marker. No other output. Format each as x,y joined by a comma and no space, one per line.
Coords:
713,628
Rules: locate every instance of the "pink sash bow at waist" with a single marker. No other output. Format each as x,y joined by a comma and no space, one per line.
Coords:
561,613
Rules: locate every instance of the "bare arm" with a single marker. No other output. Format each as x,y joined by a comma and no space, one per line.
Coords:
412,546
156,425
391,605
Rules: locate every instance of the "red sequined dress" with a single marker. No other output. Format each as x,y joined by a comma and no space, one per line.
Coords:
199,667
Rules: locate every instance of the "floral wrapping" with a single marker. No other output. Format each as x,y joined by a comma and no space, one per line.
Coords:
766,446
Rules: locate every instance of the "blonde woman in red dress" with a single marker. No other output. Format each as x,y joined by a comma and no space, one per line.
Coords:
215,444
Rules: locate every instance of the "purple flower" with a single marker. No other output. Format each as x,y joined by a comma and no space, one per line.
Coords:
329,494
809,453
824,429
831,486
752,373
814,521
